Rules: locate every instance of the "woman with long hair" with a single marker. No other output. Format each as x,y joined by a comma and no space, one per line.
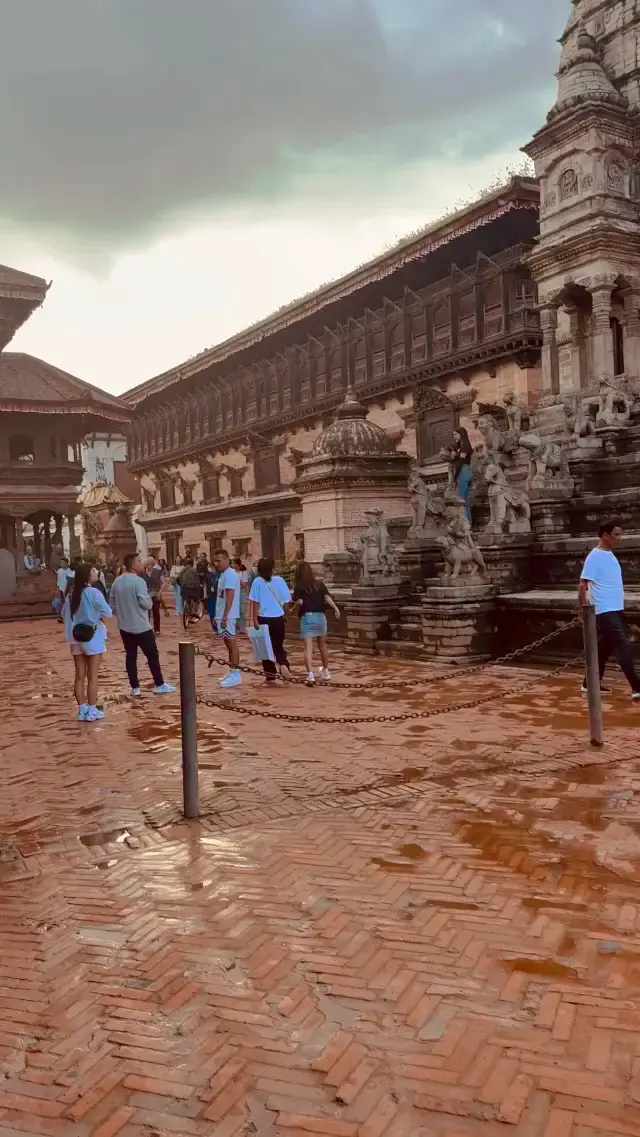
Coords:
174,576
312,598
269,599
84,612
461,453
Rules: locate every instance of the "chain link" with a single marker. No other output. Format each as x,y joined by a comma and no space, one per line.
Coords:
458,673
252,712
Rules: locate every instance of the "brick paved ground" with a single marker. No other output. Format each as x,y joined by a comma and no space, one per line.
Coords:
429,928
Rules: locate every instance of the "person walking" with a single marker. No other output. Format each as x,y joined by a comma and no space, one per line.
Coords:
84,611
131,605
63,576
311,598
174,577
153,579
243,576
601,585
226,615
269,598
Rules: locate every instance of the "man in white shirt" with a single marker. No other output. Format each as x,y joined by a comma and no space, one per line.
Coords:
63,576
601,585
227,613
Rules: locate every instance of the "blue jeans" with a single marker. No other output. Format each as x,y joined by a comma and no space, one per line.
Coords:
178,595
463,488
612,640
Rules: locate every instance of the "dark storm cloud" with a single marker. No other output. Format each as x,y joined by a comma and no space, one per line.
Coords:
115,114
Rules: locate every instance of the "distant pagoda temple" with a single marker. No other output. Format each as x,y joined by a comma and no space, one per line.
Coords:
45,414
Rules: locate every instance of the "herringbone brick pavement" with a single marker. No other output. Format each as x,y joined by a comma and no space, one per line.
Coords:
427,928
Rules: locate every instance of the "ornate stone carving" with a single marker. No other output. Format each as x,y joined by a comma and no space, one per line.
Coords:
499,445
460,550
614,404
378,562
428,508
579,420
615,177
509,507
568,184
545,457
587,181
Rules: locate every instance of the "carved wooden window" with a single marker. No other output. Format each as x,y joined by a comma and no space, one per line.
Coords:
436,422
305,379
378,350
418,335
359,349
167,494
235,482
335,370
397,346
210,486
493,315
442,329
321,376
241,546
266,470
466,319
250,409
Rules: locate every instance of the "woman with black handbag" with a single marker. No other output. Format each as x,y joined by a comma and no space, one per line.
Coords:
84,612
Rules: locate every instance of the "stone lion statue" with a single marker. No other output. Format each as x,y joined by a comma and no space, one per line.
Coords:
545,456
460,551
509,506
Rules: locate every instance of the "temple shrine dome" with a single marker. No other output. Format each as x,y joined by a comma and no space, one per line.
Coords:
353,434
582,78
98,495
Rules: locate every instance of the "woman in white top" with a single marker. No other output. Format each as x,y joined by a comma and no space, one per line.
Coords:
174,577
84,610
268,601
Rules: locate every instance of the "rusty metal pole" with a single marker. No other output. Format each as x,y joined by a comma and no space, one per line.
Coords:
189,722
592,672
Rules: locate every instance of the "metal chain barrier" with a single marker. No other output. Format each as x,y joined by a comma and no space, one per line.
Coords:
399,683
470,704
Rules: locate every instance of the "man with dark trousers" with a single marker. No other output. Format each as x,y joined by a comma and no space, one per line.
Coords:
131,606
601,585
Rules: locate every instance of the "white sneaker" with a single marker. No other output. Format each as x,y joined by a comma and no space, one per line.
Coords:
82,712
635,695
166,689
310,678
233,679
93,715
223,677
325,674
136,693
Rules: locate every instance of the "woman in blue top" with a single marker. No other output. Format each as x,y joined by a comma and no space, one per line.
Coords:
84,611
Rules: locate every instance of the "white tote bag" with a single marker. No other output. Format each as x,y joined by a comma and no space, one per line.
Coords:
260,641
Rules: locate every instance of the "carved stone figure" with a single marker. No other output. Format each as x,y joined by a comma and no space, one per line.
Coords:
492,436
508,506
545,457
460,550
614,404
516,415
379,564
578,419
427,507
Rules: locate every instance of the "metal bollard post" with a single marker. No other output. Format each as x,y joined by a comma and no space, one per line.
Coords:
594,695
190,795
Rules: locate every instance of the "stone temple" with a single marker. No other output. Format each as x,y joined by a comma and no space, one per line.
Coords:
326,429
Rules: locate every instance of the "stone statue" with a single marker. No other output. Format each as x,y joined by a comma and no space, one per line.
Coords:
614,404
427,507
545,457
460,551
379,564
516,415
499,445
578,419
509,506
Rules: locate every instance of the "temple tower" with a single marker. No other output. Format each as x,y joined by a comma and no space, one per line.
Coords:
587,260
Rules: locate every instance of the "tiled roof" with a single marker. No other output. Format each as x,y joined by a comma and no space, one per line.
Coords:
12,281
518,192
28,383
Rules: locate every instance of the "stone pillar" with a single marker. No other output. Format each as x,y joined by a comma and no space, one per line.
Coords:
603,363
74,541
47,540
550,371
632,333
19,544
37,540
57,533
578,347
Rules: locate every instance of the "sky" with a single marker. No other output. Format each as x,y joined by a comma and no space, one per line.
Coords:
180,170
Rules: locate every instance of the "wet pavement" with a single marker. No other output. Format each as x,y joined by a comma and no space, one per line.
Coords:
422,927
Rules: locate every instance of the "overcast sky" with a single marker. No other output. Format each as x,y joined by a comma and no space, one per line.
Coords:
182,169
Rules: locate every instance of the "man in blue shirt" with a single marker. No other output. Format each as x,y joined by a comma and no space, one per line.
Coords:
601,585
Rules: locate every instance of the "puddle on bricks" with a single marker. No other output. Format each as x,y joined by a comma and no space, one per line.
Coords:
162,735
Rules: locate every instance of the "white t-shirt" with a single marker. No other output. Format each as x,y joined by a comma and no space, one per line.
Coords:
602,569
270,597
228,579
62,576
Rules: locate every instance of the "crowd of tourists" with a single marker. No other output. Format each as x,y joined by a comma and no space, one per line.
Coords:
237,599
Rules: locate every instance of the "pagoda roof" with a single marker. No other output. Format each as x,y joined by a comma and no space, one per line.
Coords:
29,385
15,283
518,193
96,494
20,294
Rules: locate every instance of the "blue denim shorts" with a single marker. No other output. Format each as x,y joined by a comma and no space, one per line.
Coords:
313,624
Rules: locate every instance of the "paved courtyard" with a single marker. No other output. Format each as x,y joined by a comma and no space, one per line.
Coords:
427,927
